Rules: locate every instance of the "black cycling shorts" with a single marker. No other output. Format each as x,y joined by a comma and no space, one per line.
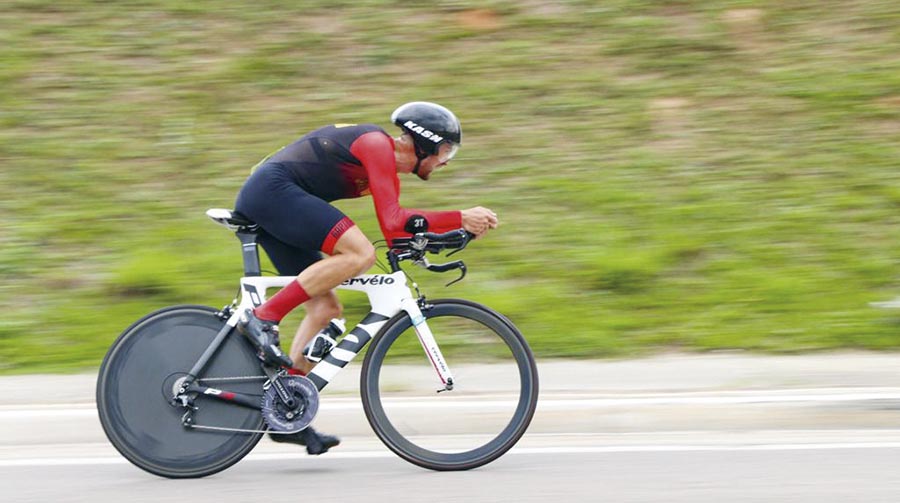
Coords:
295,226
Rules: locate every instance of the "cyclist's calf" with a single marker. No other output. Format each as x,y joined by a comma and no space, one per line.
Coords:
323,309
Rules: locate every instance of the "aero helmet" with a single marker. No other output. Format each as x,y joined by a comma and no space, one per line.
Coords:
430,126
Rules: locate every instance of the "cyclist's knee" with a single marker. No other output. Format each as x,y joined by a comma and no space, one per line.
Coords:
360,259
365,259
355,246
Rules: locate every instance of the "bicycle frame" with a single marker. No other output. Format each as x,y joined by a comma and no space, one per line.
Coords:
388,295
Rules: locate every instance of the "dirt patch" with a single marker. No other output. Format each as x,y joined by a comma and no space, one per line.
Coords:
892,102
685,24
326,25
746,29
480,19
671,121
889,126
545,8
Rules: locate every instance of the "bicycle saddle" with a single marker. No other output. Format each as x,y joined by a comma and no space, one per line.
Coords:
231,219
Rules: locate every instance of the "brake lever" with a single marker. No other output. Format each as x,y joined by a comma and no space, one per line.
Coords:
462,267
459,264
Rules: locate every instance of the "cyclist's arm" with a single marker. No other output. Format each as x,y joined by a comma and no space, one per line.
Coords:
376,152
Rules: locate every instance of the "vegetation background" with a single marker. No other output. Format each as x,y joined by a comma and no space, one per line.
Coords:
671,175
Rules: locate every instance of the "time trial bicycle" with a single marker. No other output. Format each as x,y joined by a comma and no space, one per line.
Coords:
182,394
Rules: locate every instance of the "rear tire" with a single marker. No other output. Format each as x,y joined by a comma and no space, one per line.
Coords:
136,382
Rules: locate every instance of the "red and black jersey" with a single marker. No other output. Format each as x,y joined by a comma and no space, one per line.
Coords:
342,162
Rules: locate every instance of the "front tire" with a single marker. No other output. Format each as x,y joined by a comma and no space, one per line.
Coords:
136,382
488,411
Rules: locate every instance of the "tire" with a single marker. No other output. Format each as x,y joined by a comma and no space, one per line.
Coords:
459,429
136,382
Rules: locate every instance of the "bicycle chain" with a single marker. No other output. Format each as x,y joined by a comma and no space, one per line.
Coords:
221,428
186,419
237,430
223,379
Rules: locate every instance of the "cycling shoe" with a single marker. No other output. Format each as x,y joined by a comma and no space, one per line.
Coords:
316,443
264,337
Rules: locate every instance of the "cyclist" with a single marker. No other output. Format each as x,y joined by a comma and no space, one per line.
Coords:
288,196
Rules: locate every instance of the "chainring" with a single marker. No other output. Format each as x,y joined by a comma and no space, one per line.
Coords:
283,419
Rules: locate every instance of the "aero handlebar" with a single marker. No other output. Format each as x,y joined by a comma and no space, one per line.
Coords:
416,247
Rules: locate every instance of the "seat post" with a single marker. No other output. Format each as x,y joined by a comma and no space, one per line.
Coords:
250,253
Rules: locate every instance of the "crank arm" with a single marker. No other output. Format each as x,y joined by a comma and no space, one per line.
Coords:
275,380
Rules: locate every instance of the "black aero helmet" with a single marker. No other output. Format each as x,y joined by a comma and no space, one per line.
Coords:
430,126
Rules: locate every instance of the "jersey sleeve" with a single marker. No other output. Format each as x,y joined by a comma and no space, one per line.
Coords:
376,152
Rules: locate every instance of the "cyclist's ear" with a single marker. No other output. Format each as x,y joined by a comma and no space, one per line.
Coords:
416,224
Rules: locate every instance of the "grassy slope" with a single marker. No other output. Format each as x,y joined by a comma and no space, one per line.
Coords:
692,175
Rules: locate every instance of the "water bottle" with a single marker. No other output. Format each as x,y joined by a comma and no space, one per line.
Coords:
324,341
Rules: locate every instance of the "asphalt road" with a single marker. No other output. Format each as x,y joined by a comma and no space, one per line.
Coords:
656,476
671,429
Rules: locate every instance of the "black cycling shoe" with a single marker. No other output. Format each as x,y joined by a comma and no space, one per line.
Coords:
316,443
264,337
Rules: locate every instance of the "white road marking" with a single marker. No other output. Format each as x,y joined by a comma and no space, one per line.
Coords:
575,402
380,454
558,402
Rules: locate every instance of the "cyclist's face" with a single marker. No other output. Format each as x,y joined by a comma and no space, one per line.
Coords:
435,162
429,165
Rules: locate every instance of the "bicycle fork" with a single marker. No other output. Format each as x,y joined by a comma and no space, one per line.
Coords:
426,338
352,343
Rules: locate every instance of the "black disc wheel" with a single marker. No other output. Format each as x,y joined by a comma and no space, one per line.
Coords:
494,395
141,373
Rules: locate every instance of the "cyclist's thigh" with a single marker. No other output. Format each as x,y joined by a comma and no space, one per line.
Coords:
287,212
353,241
288,260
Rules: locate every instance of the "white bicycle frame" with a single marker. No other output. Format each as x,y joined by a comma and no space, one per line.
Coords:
388,295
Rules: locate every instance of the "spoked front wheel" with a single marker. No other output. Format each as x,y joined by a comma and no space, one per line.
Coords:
494,394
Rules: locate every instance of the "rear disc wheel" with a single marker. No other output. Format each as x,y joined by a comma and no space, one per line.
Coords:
136,382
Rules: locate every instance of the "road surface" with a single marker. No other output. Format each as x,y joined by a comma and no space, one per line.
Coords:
733,428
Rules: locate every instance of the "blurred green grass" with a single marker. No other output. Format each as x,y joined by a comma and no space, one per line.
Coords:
670,175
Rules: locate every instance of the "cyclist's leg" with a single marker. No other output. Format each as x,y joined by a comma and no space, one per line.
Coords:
310,267
351,255
296,227
305,225
319,311
289,261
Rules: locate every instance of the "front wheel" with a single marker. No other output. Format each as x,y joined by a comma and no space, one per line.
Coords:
493,398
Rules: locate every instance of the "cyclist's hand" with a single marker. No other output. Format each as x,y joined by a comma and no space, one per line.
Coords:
479,220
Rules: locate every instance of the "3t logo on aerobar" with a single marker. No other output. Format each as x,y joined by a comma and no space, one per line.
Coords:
372,280
412,126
